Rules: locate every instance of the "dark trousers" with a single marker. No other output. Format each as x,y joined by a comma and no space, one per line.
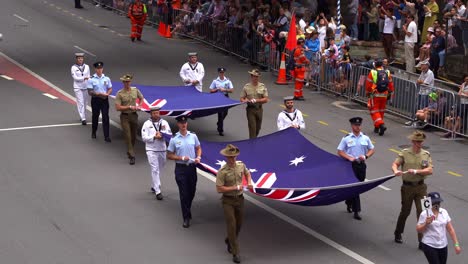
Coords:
387,40
254,119
129,123
359,169
221,117
100,106
373,32
434,60
233,207
410,194
186,178
435,255
77,3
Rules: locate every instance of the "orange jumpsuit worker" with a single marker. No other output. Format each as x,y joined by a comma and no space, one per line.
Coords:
379,88
137,13
300,62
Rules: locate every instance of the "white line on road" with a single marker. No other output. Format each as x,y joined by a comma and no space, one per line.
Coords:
25,20
85,51
50,96
278,214
6,77
295,223
45,126
381,186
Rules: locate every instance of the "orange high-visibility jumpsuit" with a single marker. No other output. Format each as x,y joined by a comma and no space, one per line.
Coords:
137,13
377,100
300,62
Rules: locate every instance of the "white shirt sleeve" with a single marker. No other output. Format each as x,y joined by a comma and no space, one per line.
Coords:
300,120
182,73
429,80
281,122
147,133
201,73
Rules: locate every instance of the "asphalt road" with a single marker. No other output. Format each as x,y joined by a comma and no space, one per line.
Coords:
65,198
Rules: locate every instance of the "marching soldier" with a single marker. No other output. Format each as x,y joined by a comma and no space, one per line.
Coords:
255,94
125,102
357,148
192,72
152,134
224,85
137,13
229,183
100,87
416,166
81,74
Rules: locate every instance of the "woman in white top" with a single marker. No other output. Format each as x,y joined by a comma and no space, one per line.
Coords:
434,224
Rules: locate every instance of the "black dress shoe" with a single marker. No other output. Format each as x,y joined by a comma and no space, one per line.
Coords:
83,122
186,223
93,135
132,161
398,238
79,7
357,216
139,39
228,246
420,246
236,259
153,190
349,208
376,130
220,133
159,196
133,39
108,140
382,130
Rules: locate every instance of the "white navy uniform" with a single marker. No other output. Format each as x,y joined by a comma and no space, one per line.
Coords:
79,73
286,119
155,148
193,72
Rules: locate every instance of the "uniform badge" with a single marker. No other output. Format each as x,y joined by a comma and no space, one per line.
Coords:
424,163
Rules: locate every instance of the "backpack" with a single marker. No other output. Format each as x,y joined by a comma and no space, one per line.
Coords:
291,63
382,81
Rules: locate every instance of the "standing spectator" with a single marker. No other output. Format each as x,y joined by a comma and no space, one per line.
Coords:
126,103
398,18
460,7
99,88
78,4
302,24
322,29
155,145
389,26
416,166
431,11
463,109
192,72
356,148
229,183
186,150
137,13
255,94
223,85
411,38
373,15
425,82
437,46
80,74
290,116
313,50
419,6
434,224
353,14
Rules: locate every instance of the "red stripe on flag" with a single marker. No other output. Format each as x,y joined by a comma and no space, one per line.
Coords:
278,194
305,198
265,178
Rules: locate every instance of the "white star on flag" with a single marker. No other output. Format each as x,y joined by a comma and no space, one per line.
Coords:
297,161
252,170
220,163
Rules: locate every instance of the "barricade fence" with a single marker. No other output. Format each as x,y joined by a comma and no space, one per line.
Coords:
410,100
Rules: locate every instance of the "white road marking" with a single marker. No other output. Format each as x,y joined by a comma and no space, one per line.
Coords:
278,214
85,51
50,96
381,186
295,223
25,20
44,126
6,77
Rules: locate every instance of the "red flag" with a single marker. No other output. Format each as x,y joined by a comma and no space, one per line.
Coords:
291,43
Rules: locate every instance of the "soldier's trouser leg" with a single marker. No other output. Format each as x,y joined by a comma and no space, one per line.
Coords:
420,192
192,184
125,123
409,194
234,214
133,121
252,122
105,117
157,160
184,178
360,173
96,109
220,123
81,102
259,119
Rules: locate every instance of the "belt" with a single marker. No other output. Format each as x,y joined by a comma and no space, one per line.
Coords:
184,165
128,113
259,106
409,183
233,196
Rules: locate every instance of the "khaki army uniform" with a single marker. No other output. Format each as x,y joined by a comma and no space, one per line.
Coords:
255,110
233,201
413,189
129,118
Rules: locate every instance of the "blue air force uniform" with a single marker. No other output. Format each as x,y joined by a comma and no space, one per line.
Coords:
356,146
97,87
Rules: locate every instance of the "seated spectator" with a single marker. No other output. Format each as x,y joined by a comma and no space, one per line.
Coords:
423,116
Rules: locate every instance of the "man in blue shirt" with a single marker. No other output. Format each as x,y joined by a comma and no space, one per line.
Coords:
99,87
223,85
185,149
356,147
